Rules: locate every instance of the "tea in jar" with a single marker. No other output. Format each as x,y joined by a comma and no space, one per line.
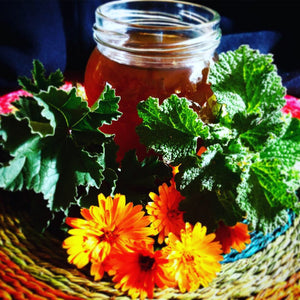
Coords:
150,48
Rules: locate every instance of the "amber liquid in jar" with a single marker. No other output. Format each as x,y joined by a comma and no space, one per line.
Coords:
136,83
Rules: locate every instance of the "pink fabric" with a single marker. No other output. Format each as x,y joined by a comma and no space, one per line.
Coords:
6,100
292,106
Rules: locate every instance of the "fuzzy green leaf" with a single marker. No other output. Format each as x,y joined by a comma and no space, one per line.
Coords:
172,128
264,131
247,82
252,149
278,181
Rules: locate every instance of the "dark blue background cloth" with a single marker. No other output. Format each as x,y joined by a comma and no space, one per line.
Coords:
59,34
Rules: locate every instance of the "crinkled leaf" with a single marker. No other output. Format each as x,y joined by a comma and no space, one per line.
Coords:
30,110
198,175
172,128
251,199
250,135
246,82
264,131
39,81
286,149
267,150
55,144
278,182
54,166
193,171
106,108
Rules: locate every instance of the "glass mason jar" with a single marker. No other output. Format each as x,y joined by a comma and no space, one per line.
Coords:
150,48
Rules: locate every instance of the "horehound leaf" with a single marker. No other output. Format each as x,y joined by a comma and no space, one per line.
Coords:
252,149
172,128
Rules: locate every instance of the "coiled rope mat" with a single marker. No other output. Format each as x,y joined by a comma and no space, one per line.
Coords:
34,266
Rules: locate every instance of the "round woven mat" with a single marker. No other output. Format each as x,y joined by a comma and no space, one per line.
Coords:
34,266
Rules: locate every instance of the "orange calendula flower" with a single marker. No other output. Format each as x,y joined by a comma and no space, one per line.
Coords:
194,259
164,211
113,225
138,270
235,237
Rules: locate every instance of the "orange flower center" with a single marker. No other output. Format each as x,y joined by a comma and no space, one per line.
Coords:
146,262
108,236
188,257
173,213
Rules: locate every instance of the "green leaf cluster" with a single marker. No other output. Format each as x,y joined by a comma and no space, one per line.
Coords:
52,145
251,163
55,144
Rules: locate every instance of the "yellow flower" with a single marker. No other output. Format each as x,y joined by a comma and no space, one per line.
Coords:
235,237
138,270
194,259
164,211
113,225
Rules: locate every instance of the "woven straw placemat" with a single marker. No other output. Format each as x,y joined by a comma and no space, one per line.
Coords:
34,266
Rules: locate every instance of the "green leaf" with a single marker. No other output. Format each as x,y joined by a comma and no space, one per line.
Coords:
250,163
81,169
250,198
263,85
89,196
208,195
107,107
39,80
263,151
293,131
264,131
227,83
55,145
30,110
278,181
194,171
287,151
54,167
66,107
137,179
172,128
247,82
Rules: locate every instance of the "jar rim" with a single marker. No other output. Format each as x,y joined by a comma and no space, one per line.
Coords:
174,31
102,12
